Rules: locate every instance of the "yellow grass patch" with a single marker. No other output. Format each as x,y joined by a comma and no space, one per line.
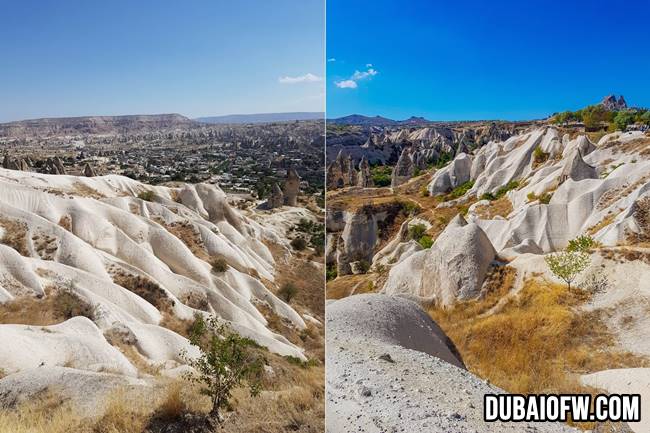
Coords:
536,341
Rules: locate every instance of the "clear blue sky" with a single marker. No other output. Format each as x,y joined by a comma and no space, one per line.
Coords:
484,59
208,57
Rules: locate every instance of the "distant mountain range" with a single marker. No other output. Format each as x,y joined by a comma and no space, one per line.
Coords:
262,117
361,120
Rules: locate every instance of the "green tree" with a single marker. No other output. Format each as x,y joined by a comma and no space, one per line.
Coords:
566,265
226,361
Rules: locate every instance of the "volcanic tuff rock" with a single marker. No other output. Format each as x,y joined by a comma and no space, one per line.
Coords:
452,269
276,198
403,170
455,174
364,176
291,188
90,234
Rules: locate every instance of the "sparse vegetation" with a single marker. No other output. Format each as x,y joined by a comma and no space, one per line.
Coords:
502,191
226,362
416,231
331,272
460,190
534,341
146,289
539,156
67,304
314,231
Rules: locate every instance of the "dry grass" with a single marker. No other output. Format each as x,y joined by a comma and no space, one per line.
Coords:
123,414
537,340
66,222
15,235
58,305
501,207
85,191
347,285
146,289
303,274
188,234
43,415
607,220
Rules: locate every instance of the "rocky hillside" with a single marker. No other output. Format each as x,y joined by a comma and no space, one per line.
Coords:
428,145
95,125
100,279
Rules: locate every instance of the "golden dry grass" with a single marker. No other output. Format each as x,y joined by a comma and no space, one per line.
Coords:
15,235
347,285
501,207
535,341
44,415
55,307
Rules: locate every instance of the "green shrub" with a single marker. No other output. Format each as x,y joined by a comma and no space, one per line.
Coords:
416,231
545,198
288,292
460,190
566,265
147,195
426,241
225,362
582,244
331,272
298,244
381,175
539,156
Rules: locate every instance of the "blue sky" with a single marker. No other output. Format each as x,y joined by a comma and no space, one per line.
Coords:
78,57
451,60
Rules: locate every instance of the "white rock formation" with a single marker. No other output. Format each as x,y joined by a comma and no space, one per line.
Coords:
452,269
453,175
81,232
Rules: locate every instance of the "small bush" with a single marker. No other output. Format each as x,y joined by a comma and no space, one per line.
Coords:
566,265
545,198
582,244
364,266
219,265
288,292
539,156
460,190
147,195
226,361
298,244
331,272
416,231
426,242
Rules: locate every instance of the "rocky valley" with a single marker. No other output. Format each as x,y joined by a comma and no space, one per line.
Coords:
463,232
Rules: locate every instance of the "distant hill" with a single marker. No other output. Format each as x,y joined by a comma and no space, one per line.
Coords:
95,125
262,117
361,120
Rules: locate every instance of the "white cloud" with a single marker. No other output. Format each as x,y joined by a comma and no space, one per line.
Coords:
346,84
331,59
351,83
307,78
362,75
